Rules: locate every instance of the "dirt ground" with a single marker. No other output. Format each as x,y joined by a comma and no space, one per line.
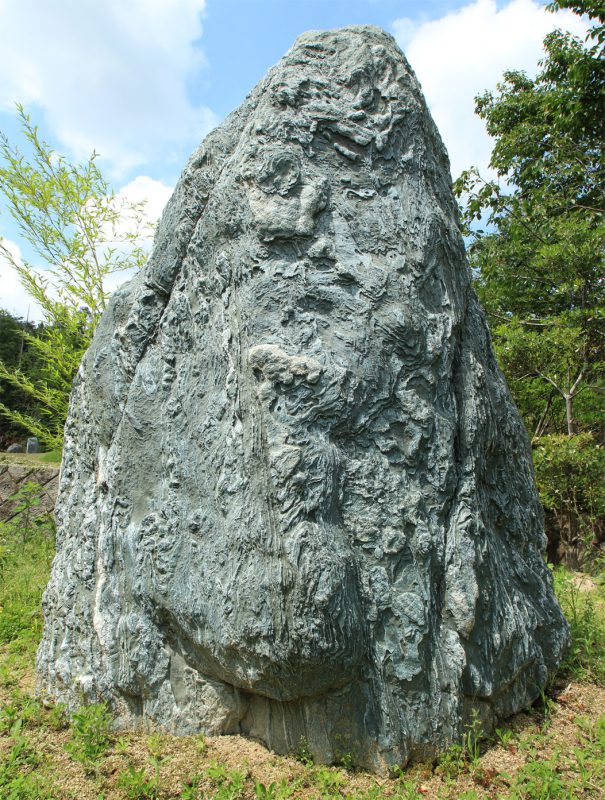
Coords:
181,761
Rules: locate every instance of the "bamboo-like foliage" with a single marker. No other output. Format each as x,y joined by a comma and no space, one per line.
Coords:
79,233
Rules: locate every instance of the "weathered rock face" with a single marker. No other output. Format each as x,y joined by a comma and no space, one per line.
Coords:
296,498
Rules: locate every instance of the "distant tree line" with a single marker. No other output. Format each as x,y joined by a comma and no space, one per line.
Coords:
15,354
537,250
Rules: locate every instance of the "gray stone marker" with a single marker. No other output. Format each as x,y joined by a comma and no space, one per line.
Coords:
296,500
33,445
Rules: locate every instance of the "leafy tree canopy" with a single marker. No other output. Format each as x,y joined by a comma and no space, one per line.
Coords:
537,235
537,249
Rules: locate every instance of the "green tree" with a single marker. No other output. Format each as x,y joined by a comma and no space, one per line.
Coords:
79,233
537,248
15,353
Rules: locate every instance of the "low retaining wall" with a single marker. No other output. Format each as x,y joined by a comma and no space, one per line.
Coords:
14,476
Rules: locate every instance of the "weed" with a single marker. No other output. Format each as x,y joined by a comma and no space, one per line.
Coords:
90,735
545,707
472,738
8,675
303,752
460,758
21,753
230,783
330,781
373,793
346,761
582,760
18,778
154,744
122,745
505,736
587,760
235,781
540,779
453,762
26,550
10,714
56,717
201,743
584,611
25,711
156,757
527,742
262,792
345,751
217,773
137,785
191,789
406,790
275,791
28,518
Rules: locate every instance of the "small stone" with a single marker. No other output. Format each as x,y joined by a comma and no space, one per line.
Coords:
14,448
33,445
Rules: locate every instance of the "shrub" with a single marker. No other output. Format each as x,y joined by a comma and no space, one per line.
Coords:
90,735
569,474
585,612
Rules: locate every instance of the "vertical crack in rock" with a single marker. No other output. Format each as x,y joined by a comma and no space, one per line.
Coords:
296,498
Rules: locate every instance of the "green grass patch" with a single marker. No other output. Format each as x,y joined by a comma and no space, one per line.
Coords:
49,459
52,457
585,612
27,546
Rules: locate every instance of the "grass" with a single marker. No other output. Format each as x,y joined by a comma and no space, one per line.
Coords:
585,612
27,546
50,459
555,750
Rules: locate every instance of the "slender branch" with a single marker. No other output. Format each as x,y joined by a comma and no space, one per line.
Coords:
542,420
522,321
590,386
578,380
550,380
586,208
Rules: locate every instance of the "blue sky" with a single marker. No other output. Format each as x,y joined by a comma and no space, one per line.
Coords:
142,81
262,30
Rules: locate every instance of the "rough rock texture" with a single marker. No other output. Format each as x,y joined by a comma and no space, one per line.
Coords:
296,498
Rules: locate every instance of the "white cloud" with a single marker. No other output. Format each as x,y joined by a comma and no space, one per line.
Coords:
139,206
465,53
13,297
110,75
154,194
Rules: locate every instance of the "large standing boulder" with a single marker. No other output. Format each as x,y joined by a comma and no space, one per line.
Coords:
297,500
